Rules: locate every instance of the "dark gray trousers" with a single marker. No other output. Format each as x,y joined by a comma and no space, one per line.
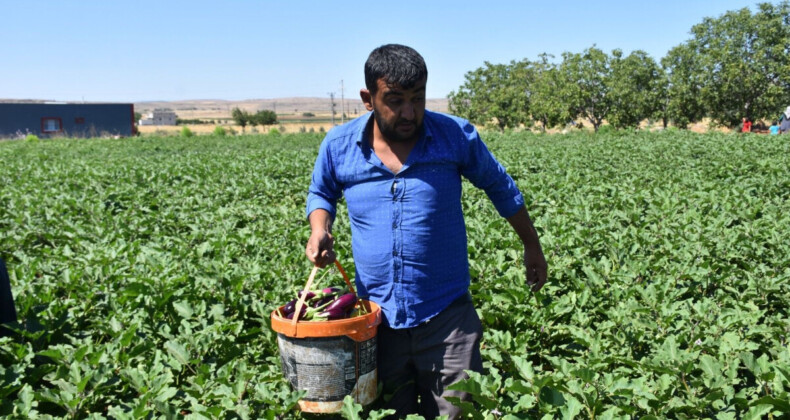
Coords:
415,365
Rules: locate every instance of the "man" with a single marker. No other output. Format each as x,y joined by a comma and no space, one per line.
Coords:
400,170
784,121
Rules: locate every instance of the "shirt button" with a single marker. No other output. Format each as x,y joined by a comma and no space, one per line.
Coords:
394,225
394,253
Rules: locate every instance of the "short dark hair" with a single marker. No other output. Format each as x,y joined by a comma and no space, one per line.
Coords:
396,64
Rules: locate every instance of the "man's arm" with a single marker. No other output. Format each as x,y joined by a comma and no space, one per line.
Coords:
483,170
321,203
534,261
320,247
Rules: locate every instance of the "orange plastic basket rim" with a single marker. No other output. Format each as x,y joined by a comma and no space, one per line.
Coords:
356,326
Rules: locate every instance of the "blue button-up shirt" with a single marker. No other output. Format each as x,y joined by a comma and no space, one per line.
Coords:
407,229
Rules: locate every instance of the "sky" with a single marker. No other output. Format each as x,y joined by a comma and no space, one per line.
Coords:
122,51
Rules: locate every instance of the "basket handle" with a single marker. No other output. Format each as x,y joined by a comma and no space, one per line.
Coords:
345,276
301,301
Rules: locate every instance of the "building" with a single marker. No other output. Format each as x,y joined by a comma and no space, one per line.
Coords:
159,117
47,119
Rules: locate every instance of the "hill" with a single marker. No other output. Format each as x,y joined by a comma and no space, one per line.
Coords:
218,108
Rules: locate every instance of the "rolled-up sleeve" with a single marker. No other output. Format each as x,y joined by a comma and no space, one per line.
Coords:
324,189
483,170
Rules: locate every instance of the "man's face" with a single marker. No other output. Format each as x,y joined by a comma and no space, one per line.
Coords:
399,112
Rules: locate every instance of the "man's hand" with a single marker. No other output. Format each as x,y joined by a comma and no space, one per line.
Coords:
320,248
534,261
536,267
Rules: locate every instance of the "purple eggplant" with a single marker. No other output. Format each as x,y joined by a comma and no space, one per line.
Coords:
302,313
323,301
344,303
290,307
326,295
330,314
309,296
332,290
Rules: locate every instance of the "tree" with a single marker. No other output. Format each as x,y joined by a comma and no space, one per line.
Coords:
240,117
494,94
586,80
633,88
680,90
546,104
265,117
743,60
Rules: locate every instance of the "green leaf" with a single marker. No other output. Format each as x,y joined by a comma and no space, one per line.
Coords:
178,351
586,375
25,401
710,366
748,361
183,308
166,393
524,368
551,396
778,404
571,409
350,410
757,412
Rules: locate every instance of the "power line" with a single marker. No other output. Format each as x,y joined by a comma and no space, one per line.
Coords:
332,106
342,103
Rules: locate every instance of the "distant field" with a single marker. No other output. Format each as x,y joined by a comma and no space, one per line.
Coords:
289,112
283,126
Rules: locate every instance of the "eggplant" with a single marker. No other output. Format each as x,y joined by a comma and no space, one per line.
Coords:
323,301
302,313
345,302
310,295
332,290
290,307
336,313
326,295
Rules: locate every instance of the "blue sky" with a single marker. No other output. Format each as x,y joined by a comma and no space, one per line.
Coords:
171,50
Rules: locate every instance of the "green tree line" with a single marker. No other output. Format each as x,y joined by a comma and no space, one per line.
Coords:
244,118
734,66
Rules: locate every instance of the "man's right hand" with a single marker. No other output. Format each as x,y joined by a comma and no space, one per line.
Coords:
320,248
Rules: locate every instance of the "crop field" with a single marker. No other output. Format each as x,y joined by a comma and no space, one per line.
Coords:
145,270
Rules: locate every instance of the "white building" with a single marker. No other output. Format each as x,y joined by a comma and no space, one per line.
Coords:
159,117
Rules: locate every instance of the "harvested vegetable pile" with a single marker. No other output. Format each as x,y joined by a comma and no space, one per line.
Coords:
330,303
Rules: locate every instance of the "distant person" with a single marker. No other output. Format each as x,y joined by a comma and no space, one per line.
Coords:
746,126
7,310
784,121
774,128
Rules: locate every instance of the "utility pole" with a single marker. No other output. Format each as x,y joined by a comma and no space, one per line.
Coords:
342,103
332,103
